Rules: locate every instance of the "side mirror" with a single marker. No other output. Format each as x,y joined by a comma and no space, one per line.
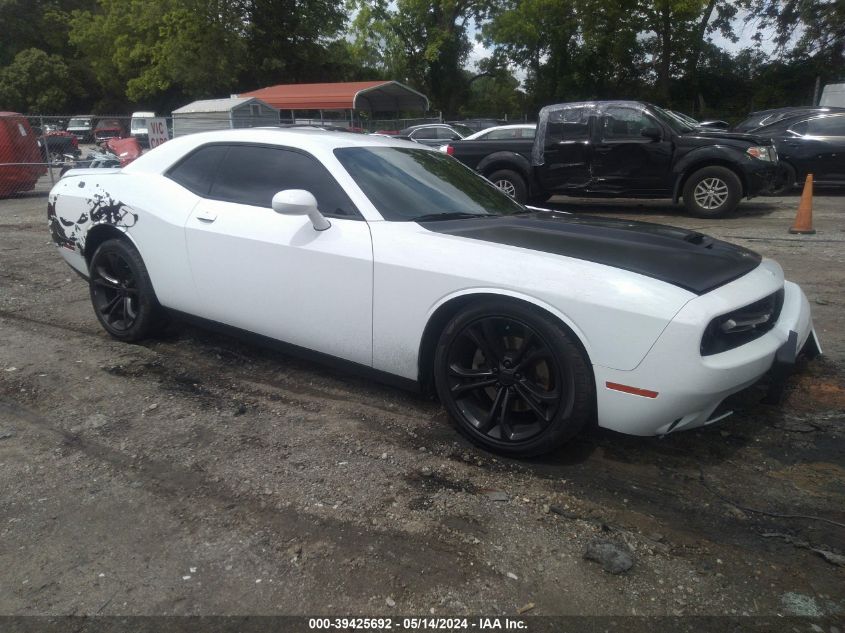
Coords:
300,202
651,132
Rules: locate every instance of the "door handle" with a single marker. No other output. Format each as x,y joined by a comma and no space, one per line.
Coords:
206,216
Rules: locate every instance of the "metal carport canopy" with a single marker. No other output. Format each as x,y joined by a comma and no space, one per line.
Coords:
375,96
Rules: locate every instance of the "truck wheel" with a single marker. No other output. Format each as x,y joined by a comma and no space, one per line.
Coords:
712,192
511,183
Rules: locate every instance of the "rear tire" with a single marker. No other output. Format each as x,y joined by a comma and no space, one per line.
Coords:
510,183
712,192
122,293
513,379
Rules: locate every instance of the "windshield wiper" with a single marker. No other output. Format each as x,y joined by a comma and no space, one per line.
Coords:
456,215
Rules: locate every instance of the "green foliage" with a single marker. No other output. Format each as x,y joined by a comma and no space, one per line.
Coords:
119,55
141,49
494,95
422,42
814,28
290,41
39,24
35,82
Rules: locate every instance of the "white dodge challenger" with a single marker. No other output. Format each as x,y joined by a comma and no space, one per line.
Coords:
396,258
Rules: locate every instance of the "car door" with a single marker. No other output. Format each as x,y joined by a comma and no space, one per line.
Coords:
566,150
821,145
623,160
274,274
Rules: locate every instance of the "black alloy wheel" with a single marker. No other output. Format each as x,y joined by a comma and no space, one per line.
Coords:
513,381
121,292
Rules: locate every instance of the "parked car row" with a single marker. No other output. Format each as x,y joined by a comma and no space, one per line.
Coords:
88,128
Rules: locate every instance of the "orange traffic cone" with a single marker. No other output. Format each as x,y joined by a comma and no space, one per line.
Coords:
804,218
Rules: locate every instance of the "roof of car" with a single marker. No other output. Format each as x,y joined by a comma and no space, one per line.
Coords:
595,104
166,154
411,128
515,126
788,121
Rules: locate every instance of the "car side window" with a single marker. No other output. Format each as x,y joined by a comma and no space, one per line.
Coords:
624,124
826,126
196,171
253,174
569,124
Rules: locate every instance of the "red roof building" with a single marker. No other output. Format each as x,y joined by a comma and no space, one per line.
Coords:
373,96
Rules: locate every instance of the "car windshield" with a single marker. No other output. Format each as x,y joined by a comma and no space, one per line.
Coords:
409,184
673,122
79,123
463,130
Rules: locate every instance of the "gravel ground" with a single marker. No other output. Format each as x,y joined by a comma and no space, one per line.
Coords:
196,474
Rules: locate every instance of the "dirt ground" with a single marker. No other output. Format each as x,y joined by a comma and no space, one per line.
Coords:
196,474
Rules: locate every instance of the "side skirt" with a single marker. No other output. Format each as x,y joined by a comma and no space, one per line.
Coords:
339,364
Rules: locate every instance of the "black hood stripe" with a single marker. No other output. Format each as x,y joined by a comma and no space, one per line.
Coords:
686,259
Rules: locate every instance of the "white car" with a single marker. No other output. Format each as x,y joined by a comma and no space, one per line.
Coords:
396,258
501,133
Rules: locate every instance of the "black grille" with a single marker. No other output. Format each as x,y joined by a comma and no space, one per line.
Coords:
742,326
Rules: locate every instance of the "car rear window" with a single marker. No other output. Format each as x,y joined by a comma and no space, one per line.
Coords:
196,171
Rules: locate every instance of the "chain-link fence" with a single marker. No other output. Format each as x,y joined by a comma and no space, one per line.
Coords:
35,150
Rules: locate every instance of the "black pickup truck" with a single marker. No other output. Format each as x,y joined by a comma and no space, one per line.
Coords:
625,149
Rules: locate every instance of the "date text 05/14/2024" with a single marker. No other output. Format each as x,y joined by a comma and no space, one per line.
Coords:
419,624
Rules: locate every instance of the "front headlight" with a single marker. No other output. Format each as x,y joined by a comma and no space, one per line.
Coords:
763,153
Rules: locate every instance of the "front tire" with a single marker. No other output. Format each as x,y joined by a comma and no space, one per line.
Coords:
511,183
512,379
122,293
712,192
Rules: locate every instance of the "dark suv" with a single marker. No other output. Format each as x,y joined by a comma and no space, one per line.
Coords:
627,149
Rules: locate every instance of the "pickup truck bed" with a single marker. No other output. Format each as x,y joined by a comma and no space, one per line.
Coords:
498,161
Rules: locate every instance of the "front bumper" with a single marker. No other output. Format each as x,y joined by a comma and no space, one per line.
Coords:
689,386
760,177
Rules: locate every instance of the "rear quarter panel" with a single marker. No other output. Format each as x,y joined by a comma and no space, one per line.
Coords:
149,209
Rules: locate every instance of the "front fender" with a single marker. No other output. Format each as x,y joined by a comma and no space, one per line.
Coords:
724,155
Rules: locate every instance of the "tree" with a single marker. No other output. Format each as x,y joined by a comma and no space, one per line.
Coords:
819,26
571,49
35,83
494,94
42,24
155,49
290,41
426,42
